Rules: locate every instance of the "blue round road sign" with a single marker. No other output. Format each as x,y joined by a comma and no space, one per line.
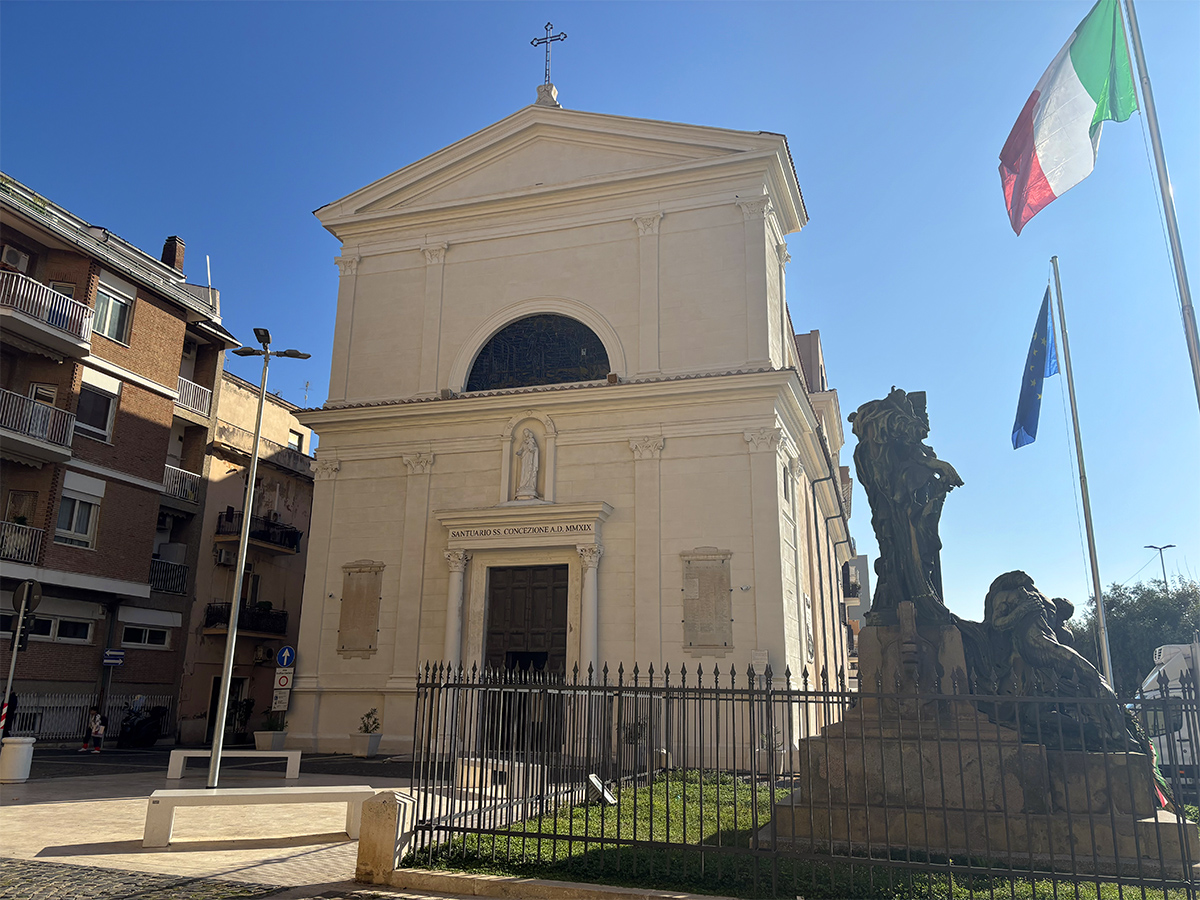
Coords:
286,657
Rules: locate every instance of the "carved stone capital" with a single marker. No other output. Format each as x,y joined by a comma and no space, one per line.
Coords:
435,254
648,224
421,464
457,560
796,467
758,208
327,469
347,265
590,555
647,447
781,251
763,439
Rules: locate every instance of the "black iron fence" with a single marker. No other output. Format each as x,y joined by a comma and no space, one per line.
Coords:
739,783
261,529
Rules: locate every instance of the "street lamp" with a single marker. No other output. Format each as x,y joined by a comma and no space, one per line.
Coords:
1160,559
263,336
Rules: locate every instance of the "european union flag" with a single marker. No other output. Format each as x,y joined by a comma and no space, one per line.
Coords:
1041,362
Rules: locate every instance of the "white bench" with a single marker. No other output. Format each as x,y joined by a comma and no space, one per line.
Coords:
179,759
160,811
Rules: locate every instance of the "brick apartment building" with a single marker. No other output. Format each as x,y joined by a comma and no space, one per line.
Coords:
269,606
108,364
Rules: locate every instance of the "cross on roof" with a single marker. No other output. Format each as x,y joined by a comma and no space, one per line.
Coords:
548,40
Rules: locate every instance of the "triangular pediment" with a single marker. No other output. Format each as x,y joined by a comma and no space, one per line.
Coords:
538,149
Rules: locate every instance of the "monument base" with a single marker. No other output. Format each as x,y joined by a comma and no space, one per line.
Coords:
934,776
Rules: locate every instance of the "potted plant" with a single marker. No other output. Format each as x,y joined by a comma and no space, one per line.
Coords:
274,731
365,742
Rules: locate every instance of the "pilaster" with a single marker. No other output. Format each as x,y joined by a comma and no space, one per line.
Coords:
343,329
431,330
412,572
308,642
589,608
648,343
765,468
754,214
647,551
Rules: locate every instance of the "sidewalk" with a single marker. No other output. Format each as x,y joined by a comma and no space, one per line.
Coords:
85,810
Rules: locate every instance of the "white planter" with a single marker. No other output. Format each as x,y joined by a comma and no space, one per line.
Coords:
15,759
269,740
364,745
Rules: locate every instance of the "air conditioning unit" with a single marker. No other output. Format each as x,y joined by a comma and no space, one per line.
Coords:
263,653
226,557
15,258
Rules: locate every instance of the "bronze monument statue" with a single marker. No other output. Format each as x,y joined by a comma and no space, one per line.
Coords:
906,485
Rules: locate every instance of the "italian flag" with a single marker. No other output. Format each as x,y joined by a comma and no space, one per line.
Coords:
1053,145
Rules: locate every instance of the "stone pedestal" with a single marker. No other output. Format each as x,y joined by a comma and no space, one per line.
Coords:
938,778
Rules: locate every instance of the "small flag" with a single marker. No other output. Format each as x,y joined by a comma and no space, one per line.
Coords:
1041,363
1052,147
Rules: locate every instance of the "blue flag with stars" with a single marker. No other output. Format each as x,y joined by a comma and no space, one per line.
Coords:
1041,363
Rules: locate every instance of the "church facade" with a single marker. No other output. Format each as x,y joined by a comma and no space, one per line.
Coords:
570,422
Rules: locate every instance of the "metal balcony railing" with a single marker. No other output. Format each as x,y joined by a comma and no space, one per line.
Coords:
261,530
20,543
181,483
194,397
36,419
168,577
25,295
250,618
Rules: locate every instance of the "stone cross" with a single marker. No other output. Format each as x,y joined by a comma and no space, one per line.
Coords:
548,40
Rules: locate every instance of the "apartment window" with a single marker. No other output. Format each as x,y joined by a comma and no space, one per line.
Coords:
112,314
96,412
76,522
296,441
66,288
249,588
73,631
22,506
141,636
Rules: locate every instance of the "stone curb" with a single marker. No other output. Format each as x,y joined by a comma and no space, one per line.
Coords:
474,885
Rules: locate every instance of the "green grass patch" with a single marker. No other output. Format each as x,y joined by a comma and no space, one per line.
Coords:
716,816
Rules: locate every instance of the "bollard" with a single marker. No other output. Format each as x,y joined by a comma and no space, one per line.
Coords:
387,822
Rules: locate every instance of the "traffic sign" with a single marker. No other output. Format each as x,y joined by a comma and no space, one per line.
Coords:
114,657
285,657
31,593
279,701
283,679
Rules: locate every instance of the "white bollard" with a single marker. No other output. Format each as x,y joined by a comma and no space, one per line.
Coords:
387,823
15,759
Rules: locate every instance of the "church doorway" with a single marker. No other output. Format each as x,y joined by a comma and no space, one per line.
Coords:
526,638
527,619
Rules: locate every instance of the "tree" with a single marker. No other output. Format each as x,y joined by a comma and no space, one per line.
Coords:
1140,618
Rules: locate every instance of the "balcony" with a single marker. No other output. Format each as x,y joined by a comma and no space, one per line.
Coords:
20,543
168,577
34,432
254,619
181,484
263,532
44,316
194,397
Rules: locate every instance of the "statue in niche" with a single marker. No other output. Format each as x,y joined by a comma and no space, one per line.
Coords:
906,485
528,454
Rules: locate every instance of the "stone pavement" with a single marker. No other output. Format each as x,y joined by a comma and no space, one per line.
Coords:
80,835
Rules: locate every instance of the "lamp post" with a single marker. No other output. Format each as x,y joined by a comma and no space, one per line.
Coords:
1160,559
263,336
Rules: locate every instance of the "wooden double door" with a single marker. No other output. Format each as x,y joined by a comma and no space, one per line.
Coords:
527,618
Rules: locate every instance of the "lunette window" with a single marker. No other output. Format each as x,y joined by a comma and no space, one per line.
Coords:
112,314
76,522
95,413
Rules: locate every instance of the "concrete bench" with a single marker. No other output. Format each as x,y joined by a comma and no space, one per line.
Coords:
160,811
179,759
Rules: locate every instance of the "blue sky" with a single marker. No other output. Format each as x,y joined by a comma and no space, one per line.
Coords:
227,124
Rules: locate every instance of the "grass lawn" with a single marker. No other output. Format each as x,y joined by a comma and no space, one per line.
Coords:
717,816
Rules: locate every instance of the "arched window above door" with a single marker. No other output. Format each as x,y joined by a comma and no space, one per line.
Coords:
539,349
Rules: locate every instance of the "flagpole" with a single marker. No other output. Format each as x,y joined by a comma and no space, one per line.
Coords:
1101,620
1168,202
